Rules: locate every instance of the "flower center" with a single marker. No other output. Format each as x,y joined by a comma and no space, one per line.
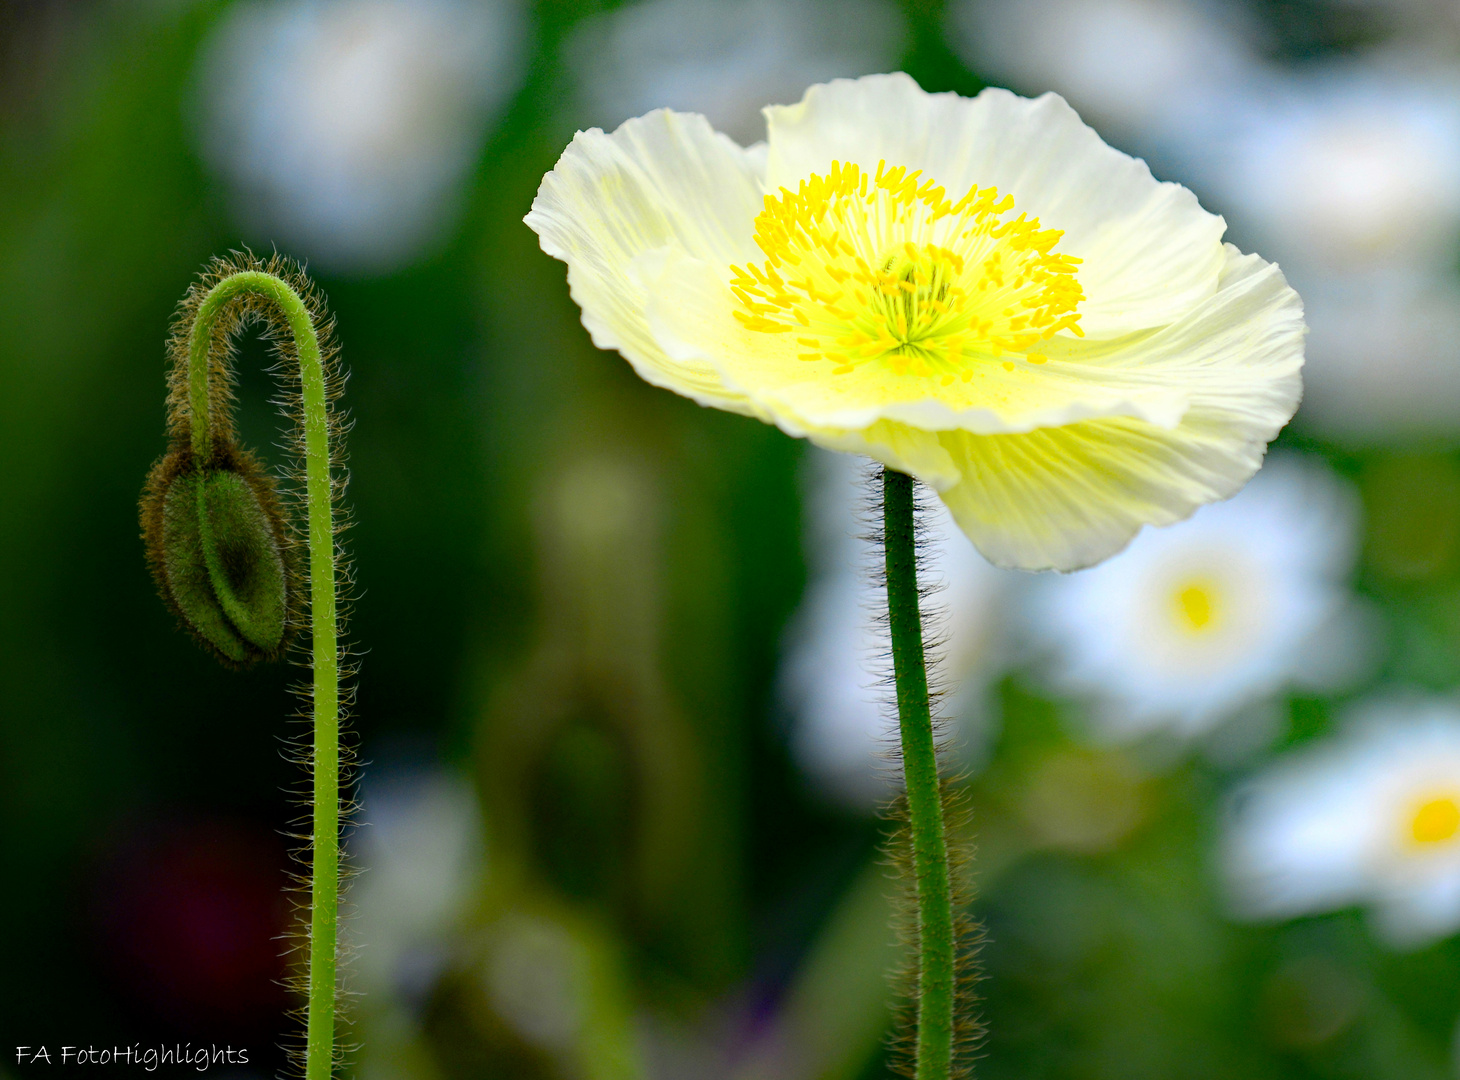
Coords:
1196,605
886,269
1435,821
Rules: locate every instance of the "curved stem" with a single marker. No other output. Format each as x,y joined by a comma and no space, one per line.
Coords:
920,772
325,871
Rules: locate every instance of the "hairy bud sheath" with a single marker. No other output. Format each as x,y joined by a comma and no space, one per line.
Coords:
220,552
223,548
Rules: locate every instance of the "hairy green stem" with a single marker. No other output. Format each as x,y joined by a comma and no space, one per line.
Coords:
325,870
920,771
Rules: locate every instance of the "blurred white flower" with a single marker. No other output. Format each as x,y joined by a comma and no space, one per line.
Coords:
1383,356
1371,817
843,723
1194,622
420,854
346,129
725,58
1122,63
1341,168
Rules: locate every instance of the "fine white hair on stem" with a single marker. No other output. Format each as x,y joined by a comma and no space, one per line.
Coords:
832,680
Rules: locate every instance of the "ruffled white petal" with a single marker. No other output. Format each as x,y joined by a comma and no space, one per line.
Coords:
615,206
909,449
1068,497
1150,250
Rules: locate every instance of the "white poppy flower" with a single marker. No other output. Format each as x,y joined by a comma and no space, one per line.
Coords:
901,297
1195,622
346,128
725,59
842,721
1371,817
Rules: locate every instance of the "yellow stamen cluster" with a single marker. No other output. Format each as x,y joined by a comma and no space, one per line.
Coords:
887,269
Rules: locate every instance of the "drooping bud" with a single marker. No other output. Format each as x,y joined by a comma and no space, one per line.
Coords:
220,552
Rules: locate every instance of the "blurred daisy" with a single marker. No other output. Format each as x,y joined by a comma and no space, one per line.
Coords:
882,278
346,129
1123,63
725,59
1370,817
1194,622
1343,168
842,717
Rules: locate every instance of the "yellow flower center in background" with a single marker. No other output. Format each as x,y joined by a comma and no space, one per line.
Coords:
1436,821
887,269
1197,605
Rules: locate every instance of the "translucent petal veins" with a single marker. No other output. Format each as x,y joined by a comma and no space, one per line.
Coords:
887,269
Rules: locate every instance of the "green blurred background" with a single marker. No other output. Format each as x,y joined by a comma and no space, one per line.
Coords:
589,849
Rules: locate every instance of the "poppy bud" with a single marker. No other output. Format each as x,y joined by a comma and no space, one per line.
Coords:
220,552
